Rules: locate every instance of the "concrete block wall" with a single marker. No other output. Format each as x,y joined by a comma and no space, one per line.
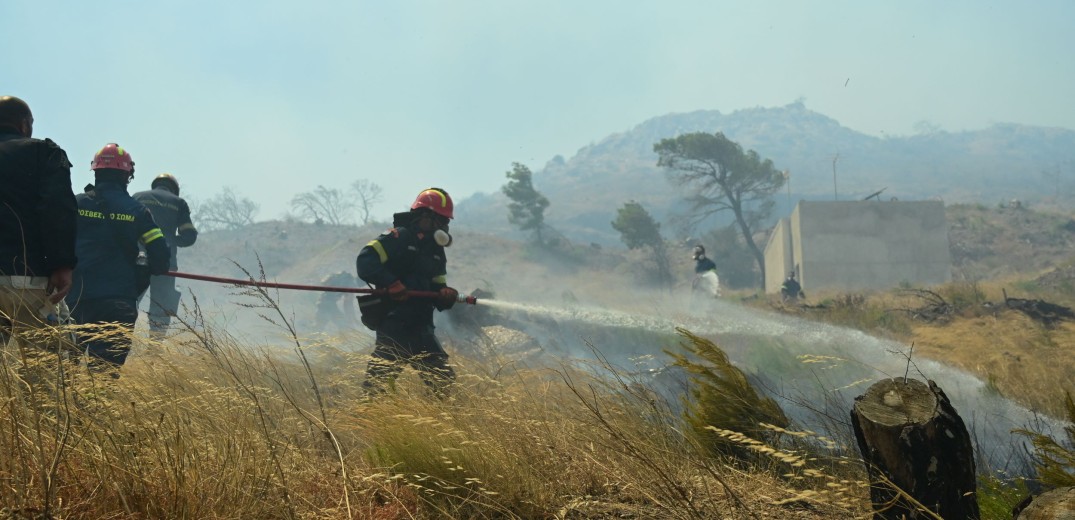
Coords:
848,245
778,256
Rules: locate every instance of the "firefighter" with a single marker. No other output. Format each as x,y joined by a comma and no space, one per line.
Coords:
111,225
172,214
705,273
790,290
37,223
328,308
410,256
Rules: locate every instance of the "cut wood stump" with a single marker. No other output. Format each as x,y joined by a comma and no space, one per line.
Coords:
911,438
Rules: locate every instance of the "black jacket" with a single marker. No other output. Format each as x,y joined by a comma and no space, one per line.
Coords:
37,207
704,264
111,224
172,214
411,257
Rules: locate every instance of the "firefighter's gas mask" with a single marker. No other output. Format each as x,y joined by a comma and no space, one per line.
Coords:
439,225
441,235
442,238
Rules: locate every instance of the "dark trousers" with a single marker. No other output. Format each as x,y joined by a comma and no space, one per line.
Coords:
163,303
107,347
399,344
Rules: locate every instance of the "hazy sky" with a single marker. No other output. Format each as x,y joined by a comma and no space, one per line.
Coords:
273,98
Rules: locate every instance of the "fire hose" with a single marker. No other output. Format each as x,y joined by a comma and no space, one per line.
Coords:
462,298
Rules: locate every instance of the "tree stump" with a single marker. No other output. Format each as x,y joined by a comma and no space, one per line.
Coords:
1056,504
911,437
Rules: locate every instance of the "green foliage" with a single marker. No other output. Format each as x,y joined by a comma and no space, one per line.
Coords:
636,227
527,206
1054,460
638,230
721,397
722,177
997,497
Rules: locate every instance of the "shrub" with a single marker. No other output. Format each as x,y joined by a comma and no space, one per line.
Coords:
721,397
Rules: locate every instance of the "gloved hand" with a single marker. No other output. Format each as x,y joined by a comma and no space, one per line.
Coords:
447,298
397,291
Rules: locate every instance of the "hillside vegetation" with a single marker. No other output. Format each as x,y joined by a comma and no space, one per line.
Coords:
1015,251
997,164
248,411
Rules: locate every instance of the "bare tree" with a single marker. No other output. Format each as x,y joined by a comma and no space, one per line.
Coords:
225,210
327,205
367,193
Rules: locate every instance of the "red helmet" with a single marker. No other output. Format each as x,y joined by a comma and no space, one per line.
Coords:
113,156
436,200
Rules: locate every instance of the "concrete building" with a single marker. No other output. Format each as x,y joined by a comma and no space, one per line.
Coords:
859,245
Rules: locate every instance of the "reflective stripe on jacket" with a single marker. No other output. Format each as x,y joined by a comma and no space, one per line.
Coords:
172,214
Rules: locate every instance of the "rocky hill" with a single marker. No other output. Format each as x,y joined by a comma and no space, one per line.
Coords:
1000,163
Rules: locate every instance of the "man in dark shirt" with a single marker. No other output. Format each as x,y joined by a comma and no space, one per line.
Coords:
172,214
37,223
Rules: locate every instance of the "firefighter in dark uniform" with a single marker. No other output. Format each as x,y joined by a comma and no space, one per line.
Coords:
328,308
37,222
410,256
172,214
111,225
791,290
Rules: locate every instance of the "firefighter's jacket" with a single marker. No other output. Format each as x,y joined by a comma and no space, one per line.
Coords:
703,265
172,214
111,224
37,207
412,257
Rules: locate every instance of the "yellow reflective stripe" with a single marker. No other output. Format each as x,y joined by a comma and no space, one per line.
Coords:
441,279
186,226
376,245
151,235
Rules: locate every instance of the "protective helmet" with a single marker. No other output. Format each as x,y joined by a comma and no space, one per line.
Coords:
699,252
437,200
113,156
166,179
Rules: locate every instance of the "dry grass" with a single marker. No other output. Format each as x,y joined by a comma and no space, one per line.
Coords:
1022,359
203,426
